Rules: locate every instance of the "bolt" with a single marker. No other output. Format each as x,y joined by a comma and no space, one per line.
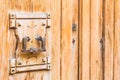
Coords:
13,70
12,15
48,66
48,15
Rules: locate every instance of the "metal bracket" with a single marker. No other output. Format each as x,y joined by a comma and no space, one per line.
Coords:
14,68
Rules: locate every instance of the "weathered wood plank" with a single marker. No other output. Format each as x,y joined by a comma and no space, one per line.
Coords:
66,41
8,48
69,57
117,41
52,6
96,55
85,40
4,40
109,27
80,39
74,59
18,5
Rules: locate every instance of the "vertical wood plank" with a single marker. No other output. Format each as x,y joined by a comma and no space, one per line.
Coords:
117,41
69,56
3,40
85,39
109,27
96,58
52,6
80,38
74,58
21,6
7,36
66,40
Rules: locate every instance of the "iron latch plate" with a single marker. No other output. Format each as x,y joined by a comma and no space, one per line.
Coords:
32,32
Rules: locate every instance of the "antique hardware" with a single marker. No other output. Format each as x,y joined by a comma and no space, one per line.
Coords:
15,22
31,32
14,68
24,42
31,50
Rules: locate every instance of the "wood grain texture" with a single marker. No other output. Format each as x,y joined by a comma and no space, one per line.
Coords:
52,6
96,35
95,20
85,40
80,39
74,58
109,38
3,40
8,39
69,57
117,41
18,5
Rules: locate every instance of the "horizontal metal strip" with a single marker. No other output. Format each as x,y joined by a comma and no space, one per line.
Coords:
30,68
29,18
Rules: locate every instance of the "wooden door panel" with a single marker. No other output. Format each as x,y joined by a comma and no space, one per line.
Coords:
69,40
52,6
62,39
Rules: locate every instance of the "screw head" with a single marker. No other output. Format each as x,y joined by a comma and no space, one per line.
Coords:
48,66
48,15
12,15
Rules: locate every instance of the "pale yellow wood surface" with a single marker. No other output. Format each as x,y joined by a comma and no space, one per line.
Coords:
52,6
117,41
8,38
69,50
80,39
84,65
75,55
109,39
3,41
96,55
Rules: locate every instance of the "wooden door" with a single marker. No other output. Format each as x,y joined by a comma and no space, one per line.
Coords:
61,39
99,39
